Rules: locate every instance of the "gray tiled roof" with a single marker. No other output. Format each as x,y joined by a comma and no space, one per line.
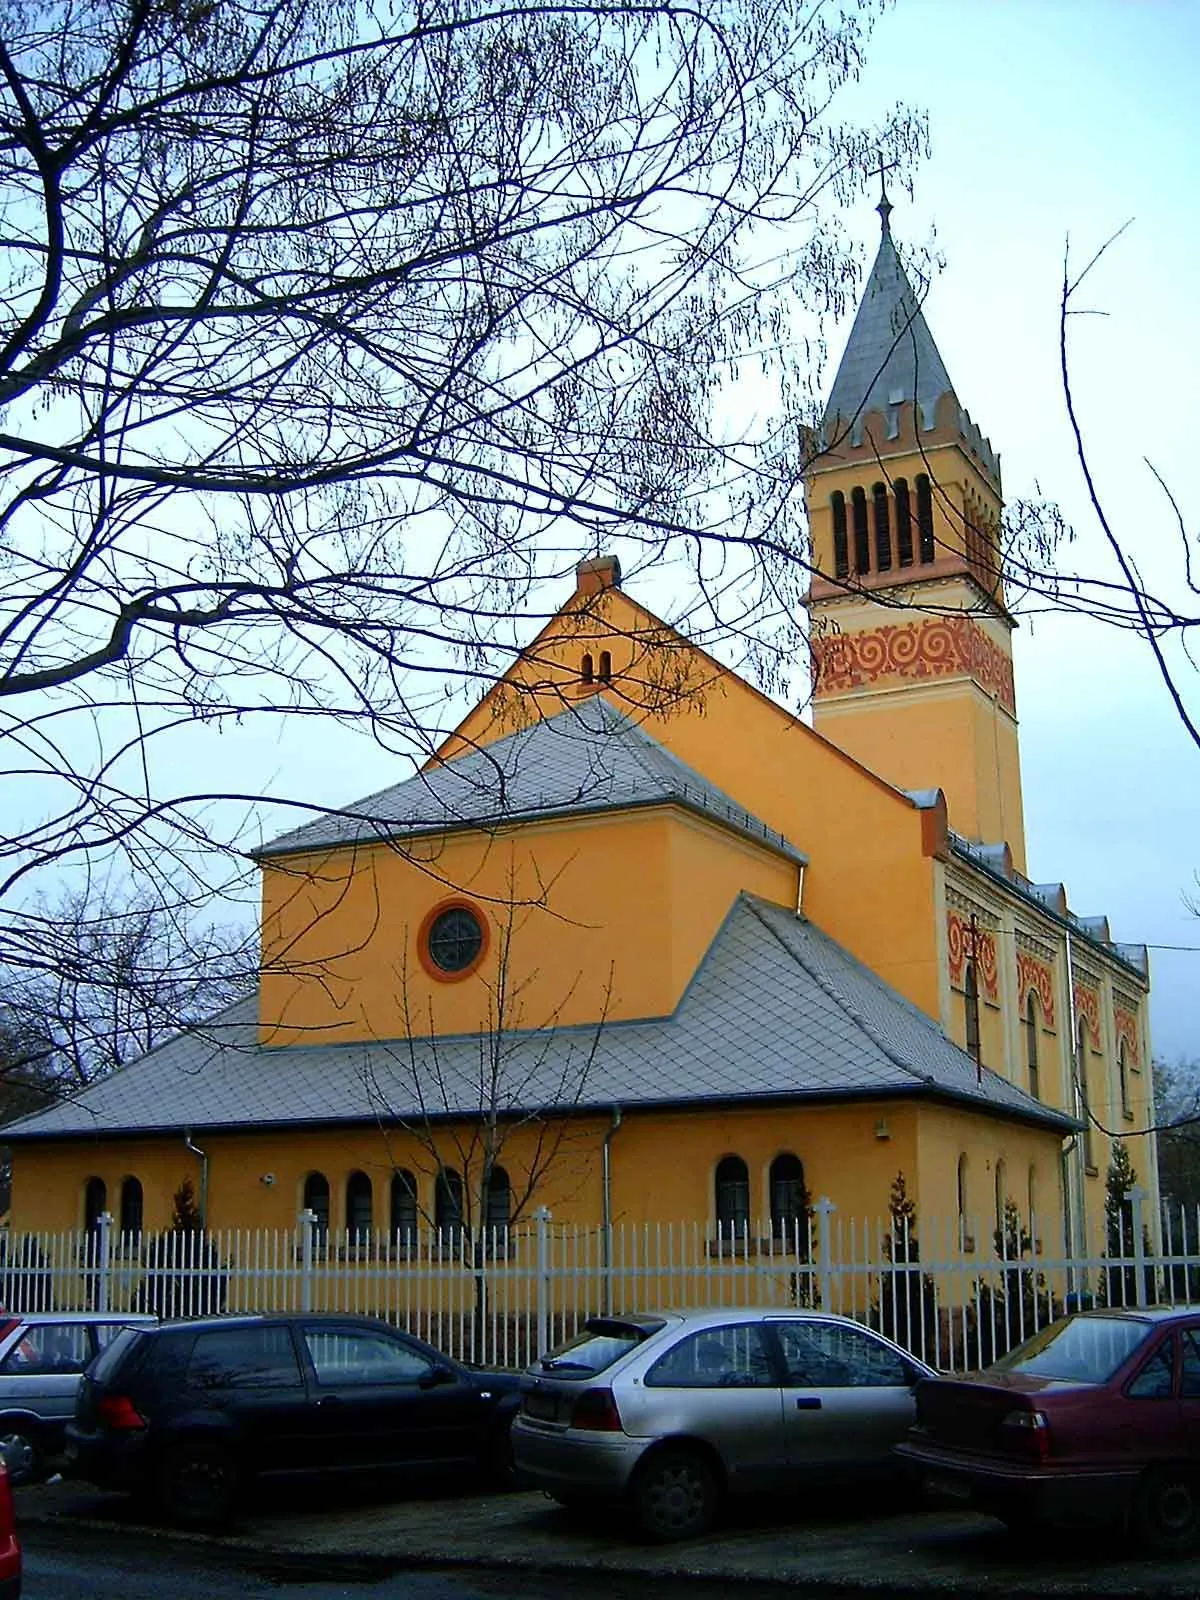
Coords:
890,356
587,758
776,1011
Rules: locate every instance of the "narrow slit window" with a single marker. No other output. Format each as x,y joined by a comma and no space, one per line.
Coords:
605,666
904,534
841,543
971,1013
883,529
587,670
1031,1044
732,1194
862,537
925,518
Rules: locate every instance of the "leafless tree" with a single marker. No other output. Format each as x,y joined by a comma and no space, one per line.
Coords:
329,331
116,973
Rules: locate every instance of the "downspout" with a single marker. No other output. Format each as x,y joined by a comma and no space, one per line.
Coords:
1078,1243
800,889
196,1151
606,1203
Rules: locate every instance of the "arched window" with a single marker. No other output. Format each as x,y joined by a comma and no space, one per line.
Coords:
1123,1073
925,517
358,1207
448,1203
862,540
498,1201
1001,1185
131,1206
605,666
587,670
971,1012
963,1231
1082,1098
404,1206
883,531
316,1200
789,1200
904,542
1031,1042
732,1186
841,545
95,1202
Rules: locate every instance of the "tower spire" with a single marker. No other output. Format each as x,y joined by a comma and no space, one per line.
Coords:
884,207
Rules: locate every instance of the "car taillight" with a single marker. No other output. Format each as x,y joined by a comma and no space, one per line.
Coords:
119,1412
596,1409
1028,1432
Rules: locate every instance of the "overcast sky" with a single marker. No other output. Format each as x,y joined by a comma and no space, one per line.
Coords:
1048,119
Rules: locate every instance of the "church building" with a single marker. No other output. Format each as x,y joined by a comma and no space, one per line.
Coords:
643,945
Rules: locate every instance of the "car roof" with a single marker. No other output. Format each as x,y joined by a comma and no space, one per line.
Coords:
250,1319
106,1318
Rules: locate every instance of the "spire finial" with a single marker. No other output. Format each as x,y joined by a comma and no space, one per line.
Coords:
884,207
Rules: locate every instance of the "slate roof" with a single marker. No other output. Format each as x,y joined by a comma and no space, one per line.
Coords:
587,758
776,1012
890,356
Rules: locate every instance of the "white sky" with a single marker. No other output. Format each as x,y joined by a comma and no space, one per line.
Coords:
1048,117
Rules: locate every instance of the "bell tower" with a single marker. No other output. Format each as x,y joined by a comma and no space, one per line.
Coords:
911,637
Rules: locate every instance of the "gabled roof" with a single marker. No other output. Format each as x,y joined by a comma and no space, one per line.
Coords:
890,357
587,758
776,1012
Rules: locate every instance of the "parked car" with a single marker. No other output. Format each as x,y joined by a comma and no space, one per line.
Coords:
42,1359
1094,1419
10,1545
672,1412
191,1412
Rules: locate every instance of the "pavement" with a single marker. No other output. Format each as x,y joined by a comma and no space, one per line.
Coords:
827,1548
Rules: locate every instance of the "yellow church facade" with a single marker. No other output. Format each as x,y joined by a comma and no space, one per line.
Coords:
642,945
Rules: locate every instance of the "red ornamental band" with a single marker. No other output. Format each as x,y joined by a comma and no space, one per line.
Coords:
1126,1029
1036,975
1087,1009
964,944
936,647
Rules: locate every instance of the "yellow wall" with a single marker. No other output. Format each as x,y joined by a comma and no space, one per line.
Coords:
870,883
946,1133
606,917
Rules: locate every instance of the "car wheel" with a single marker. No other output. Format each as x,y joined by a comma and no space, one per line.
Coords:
22,1452
198,1485
675,1494
1166,1511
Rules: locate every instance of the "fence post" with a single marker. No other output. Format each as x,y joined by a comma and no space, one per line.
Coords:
542,1217
824,1209
1137,1198
307,1223
104,1224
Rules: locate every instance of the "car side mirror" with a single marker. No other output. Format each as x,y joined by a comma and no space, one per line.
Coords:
436,1377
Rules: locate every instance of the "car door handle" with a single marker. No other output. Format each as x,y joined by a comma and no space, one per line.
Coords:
808,1402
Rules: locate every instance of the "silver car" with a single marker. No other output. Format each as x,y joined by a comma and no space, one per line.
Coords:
42,1357
671,1412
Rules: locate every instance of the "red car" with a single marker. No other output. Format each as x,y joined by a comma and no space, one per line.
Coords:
1095,1419
10,1545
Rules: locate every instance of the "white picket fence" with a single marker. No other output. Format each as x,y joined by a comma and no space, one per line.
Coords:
958,1296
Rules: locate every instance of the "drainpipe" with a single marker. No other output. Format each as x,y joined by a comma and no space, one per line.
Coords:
196,1151
800,890
606,1200
1079,1103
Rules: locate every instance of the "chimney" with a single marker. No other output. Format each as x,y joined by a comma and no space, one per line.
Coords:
601,572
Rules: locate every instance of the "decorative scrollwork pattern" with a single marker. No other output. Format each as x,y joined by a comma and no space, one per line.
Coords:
1036,975
1126,1029
964,944
936,647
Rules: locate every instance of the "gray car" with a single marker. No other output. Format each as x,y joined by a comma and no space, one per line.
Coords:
671,1412
42,1357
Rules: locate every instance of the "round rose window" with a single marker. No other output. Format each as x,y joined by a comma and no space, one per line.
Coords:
455,939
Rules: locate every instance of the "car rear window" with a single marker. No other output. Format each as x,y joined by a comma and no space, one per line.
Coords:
1086,1349
114,1353
602,1342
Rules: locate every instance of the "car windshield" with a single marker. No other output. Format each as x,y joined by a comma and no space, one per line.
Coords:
601,1342
1085,1349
